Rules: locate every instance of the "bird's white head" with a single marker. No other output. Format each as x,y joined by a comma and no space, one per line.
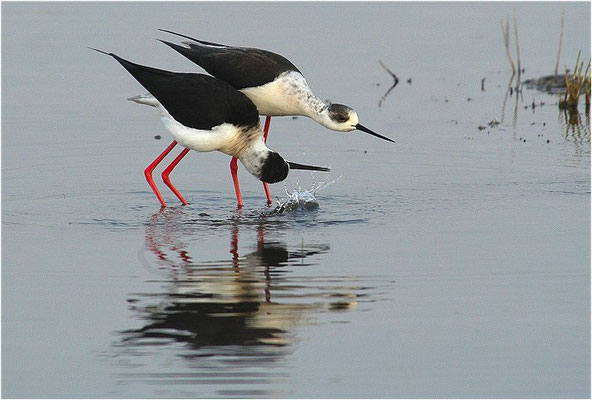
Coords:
339,117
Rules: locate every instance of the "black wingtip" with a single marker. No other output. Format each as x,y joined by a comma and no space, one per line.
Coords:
130,66
172,45
178,34
167,31
101,51
192,38
122,61
165,42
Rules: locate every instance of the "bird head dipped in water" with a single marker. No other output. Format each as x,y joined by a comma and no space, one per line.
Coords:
267,165
275,169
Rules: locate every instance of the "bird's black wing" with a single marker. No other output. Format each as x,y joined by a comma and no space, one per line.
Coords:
241,67
195,100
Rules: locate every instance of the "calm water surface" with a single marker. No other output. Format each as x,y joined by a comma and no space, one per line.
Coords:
454,263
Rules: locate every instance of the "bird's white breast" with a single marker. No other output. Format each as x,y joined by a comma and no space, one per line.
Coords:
217,138
288,94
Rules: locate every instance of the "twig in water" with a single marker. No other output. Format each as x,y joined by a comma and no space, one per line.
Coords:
390,72
506,35
383,98
396,81
560,39
505,100
517,49
587,88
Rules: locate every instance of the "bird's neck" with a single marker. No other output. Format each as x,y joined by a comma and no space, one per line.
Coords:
312,106
301,96
317,110
253,156
322,117
241,139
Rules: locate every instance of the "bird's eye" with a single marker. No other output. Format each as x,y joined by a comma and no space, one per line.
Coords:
341,118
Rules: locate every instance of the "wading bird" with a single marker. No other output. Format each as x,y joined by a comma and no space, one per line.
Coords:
203,113
271,81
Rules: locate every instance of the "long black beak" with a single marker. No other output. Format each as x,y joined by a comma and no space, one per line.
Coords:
294,165
364,129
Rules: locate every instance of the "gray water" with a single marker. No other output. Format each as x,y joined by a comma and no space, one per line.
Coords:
454,263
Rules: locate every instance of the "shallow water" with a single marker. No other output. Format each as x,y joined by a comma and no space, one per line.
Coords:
454,263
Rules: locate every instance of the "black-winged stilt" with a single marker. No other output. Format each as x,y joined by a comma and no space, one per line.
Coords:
206,114
272,82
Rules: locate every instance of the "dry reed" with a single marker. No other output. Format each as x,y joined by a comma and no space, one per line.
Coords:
576,84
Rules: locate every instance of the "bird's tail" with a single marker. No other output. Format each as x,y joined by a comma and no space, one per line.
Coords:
146,99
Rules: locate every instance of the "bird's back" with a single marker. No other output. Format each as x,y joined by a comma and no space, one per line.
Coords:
241,67
195,100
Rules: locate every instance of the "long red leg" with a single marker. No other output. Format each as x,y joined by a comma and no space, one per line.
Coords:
233,170
167,171
265,132
150,168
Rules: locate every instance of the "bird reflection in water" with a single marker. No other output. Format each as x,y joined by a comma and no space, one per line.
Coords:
229,314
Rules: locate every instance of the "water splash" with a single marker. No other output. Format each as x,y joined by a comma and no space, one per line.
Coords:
301,200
